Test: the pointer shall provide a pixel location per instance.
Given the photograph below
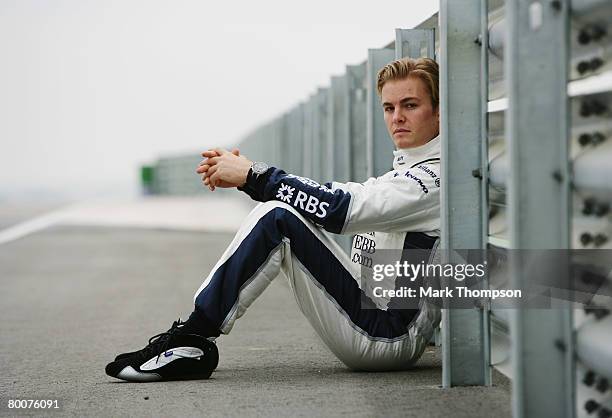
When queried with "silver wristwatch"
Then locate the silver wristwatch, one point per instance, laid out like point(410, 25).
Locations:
point(258, 168)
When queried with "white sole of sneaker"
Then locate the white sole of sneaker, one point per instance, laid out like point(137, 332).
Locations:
point(131, 375)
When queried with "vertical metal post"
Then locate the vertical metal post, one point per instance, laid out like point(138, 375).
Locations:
point(356, 76)
point(289, 164)
point(339, 124)
point(339, 146)
point(296, 133)
point(308, 136)
point(326, 153)
point(267, 139)
point(319, 136)
point(536, 64)
point(484, 173)
point(464, 344)
point(379, 146)
point(283, 140)
point(316, 139)
point(274, 128)
point(415, 43)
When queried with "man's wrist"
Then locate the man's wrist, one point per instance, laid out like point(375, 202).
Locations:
point(255, 183)
point(249, 176)
point(258, 168)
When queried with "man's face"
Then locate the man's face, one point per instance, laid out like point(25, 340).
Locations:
point(409, 116)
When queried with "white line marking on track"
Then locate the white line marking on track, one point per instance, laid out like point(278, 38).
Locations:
point(169, 213)
point(33, 225)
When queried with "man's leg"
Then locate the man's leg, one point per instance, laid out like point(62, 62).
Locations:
point(274, 237)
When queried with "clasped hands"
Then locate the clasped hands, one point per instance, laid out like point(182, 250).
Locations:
point(222, 168)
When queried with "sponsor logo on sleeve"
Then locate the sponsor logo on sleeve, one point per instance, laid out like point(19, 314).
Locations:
point(418, 180)
point(285, 193)
point(303, 200)
point(310, 183)
point(428, 171)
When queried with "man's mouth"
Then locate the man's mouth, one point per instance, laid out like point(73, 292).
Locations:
point(399, 130)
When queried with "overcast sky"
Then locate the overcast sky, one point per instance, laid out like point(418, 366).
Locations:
point(92, 89)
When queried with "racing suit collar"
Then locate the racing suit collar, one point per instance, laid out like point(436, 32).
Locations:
point(407, 157)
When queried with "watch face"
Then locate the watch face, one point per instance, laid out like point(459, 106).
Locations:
point(260, 168)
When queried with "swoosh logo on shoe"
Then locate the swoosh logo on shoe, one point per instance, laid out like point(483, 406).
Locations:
point(169, 356)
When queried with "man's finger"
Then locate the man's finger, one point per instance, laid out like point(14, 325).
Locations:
point(202, 169)
point(214, 178)
point(236, 152)
point(209, 153)
point(221, 151)
point(213, 161)
point(206, 182)
point(211, 170)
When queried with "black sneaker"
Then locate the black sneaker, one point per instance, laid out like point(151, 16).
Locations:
point(171, 355)
point(175, 324)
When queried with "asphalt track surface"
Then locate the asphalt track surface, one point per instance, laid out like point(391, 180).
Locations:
point(71, 298)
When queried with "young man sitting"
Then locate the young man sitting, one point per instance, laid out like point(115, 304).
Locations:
point(290, 232)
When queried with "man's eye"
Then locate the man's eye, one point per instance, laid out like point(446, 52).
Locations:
point(411, 105)
point(388, 109)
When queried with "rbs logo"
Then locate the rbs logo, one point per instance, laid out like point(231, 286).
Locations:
point(303, 201)
point(311, 204)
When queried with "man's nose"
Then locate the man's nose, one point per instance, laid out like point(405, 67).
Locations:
point(398, 116)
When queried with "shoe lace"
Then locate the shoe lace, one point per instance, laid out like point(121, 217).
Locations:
point(160, 342)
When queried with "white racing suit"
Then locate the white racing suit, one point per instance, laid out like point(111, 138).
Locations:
point(288, 234)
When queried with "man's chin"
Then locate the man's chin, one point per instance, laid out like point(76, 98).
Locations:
point(404, 142)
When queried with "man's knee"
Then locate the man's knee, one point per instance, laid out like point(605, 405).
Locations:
point(276, 217)
point(273, 204)
point(279, 211)
point(265, 212)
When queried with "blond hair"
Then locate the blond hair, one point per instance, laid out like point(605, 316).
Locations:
point(425, 69)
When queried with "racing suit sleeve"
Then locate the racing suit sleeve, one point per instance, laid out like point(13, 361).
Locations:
point(392, 203)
